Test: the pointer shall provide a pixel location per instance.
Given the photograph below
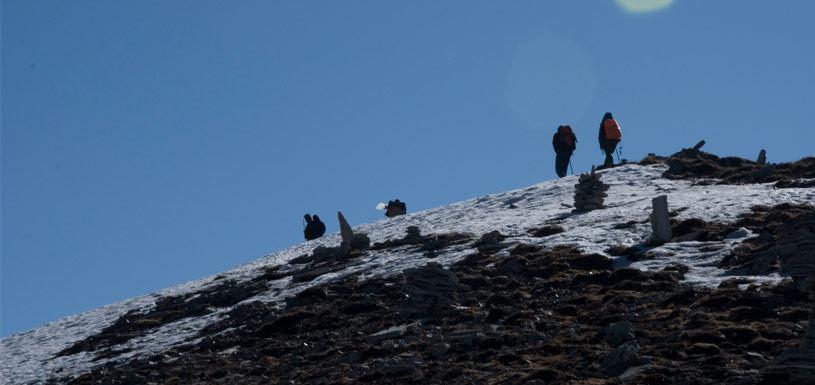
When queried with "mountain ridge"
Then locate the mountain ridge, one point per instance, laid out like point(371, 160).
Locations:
point(76, 346)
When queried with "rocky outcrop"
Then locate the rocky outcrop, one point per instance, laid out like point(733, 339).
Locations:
point(786, 238)
point(707, 168)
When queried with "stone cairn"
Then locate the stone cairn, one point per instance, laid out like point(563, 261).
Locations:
point(589, 192)
point(351, 240)
point(428, 288)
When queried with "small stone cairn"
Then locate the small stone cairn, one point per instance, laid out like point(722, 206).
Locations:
point(428, 288)
point(351, 240)
point(589, 192)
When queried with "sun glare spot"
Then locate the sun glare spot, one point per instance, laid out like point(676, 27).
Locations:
point(643, 6)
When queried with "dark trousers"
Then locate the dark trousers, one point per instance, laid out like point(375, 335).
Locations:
point(562, 163)
point(609, 147)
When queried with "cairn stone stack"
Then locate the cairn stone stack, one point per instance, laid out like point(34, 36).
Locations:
point(589, 192)
point(428, 288)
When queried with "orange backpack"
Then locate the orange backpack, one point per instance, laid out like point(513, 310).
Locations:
point(612, 129)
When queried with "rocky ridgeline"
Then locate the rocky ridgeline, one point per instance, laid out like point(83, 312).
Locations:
point(706, 168)
point(509, 313)
point(589, 192)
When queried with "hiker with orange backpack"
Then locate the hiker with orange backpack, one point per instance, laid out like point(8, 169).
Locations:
point(564, 141)
point(610, 135)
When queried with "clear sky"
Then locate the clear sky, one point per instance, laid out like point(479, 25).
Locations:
point(147, 143)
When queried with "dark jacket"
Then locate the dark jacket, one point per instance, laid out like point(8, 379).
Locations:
point(315, 228)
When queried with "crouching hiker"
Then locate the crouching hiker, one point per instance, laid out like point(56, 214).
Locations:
point(564, 141)
point(610, 135)
point(315, 228)
point(395, 208)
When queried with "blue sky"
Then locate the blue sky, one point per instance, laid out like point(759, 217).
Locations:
point(147, 143)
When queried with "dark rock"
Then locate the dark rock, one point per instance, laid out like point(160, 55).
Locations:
point(307, 296)
point(704, 349)
point(628, 274)
point(622, 358)
point(490, 242)
point(359, 242)
point(285, 324)
point(618, 333)
point(514, 266)
point(428, 288)
point(545, 231)
point(591, 262)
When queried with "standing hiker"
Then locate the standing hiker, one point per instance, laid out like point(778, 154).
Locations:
point(610, 135)
point(315, 228)
point(564, 141)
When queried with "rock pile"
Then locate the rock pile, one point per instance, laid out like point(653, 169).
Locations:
point(428, 288)
point(351, 240)
point(589, 192)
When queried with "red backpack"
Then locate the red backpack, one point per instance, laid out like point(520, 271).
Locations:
point(612, 129)
point(567, 136)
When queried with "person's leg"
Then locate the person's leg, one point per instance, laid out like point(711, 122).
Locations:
point(609, 150)
point(561, 164)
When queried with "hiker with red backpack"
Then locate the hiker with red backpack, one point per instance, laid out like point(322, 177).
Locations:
point(564, 141)
point(610, 135)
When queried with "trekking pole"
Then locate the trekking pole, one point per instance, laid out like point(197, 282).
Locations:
point(570, 166)
point(619, 152)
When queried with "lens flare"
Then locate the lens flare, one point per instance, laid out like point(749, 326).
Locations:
point(643, 6)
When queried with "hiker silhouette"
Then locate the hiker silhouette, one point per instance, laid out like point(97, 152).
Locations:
point(609, 136)
point(564, 141)
point(395, 208)
point(315, 228)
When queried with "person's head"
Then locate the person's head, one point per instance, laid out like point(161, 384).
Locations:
point(307, 217)
point(607, 116)
point(315, 218)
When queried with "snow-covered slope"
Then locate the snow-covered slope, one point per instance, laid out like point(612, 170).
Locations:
point(29, 357)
